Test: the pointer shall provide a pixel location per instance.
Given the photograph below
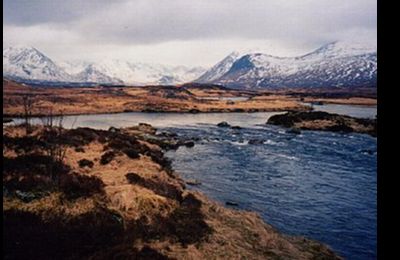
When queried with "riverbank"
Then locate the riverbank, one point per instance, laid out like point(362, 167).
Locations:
point(357, 101)
point(114, 193)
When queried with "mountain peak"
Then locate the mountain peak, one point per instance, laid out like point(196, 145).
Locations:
point(27, 62)
point(19, 49)
point(234, 54)
point(343, 49)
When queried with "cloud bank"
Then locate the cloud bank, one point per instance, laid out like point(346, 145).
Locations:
point(182, 31)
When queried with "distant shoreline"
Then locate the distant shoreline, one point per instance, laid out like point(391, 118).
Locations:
point(181, 112)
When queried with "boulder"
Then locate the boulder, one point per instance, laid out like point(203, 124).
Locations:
point(231, 203)
point(256, 141)
point(193, 182)
point(188, 144)
point(223, 124)
point(114, 130)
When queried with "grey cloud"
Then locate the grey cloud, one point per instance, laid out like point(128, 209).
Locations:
point(156, 21)
point(153, 21)
point(32, 12)
point(177, 29)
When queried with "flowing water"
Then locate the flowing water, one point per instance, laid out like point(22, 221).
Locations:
point(321, 185)
point(318, 184)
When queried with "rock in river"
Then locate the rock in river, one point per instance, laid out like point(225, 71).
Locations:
point(231, 203)
point(256, 141)
point(223, 124)
point(193, 182)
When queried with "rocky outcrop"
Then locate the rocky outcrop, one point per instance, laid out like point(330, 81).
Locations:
point(324, 121)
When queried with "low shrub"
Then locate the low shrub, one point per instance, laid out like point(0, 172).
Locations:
point(85, 163)
point(75, 185)
point(107, 157)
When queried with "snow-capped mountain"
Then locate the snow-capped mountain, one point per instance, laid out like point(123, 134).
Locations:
point(219, 69)
point(143, 73)
point(334, 64)
point(27, 63)
point(91, 74)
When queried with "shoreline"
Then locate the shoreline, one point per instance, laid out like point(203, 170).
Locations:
point(303, 108)
point(19, 116)
point(371, 103)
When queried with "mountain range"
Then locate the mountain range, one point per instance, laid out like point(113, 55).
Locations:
point(29, 64)
point(336, 64)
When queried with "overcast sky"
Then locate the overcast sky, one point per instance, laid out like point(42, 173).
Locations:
point(184, 32)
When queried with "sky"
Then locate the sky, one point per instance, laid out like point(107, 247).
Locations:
point(184, 32)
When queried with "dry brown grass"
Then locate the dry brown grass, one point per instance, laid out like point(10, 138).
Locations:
point(96, 100)
point(112, 100)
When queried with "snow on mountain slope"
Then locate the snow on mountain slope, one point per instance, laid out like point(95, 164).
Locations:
point(219, 69)
point(91, 74)
point(29, 63)
point(185, 74)
point(73, 67)
point(334, 64)
point(340, 49)
point(143, 73)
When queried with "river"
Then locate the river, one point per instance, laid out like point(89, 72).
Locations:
point(321, 185)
